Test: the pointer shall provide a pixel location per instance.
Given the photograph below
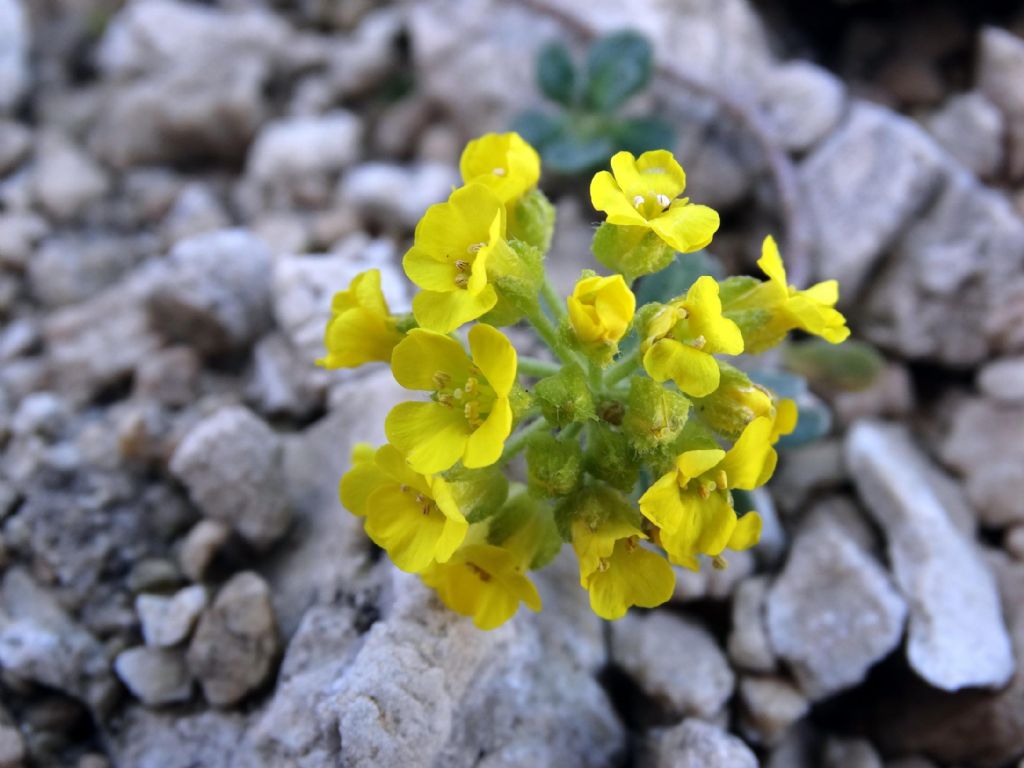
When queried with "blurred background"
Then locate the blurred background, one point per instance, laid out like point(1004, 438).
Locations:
point(184, 185)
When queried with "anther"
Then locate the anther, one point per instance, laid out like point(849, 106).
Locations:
point(638, 201)
point(719, 563)
point(603, 565)
point(461, 265)
point(475, 247)
point(663, 201)
point(499, 171)
point(699, 342)
point(440, 379)
point(461, 279)
point(470, 385)
point(723, 479)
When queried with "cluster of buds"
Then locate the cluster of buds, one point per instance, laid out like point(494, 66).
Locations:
point(626, 442)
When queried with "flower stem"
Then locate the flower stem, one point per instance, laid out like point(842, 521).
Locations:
point(554, 301)
point(542, 325)
point(531, 366)
point(622, 368)
point(515, 444)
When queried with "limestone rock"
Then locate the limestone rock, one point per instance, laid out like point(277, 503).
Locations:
point(749, 646)
point(175, 740)
point(802, 103)
point(956, 637)
point(386, 192)
point(66, 179)
point(167, 621)
point(769, 707)
point(1003, 380)
point(15, 40)
point(293, 148)
point(696, 744)
point(970, 128)
point(155, 676)
point(1000, 76)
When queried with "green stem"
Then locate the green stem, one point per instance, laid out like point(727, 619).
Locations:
point(622, 368)
point(571, 432)
point(538, 369)
point(515, 444)
point(554, 301)
point(542, 325)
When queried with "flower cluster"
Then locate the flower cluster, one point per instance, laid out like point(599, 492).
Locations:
point(627, 441)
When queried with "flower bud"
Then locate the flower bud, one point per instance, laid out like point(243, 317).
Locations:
point(554, 466)
point(532, 220)
point(655, 415)
point(735, 403)
point(633, 251)
point(565, 397)
point(610, 457)
point(601, 309)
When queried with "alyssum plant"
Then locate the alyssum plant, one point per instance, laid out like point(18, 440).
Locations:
point(631, 455)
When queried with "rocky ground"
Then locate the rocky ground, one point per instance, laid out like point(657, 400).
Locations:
point(182, 188)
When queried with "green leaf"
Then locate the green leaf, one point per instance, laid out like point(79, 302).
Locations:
point(852, 365)
point(556, 75)
point(570, 154)
point(676, 279)
point(618, 66)
point(538, 128)
point(643, 134)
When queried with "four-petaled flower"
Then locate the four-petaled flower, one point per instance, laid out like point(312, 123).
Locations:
point(503, 163)
point(644, 192)
point(412, 516)
point(469, 415)
point(681, 339)
point(483, 581)
point(361, 329)
point(601, 309)
point(692, 504)
point(453, 245)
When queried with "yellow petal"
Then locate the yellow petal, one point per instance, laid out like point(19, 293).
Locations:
point(495, 356)
point(720, 333)
point(707, 525)
point(826, 292)
point(695, 372)
point(747, 532)
point(634, 577)
point(751, 457)
point(444, 312)
point(594, 545)
point(358, 336)
point(819, 319)
point(429, 270)
point(786, 416)
point(504, 163)
point(686, 227)
point(771, 262)
point(661, 504)
point(361, 480)
point(693, 464)
point(449, 230)
point(485, 444)
point(397, 523)
point(393, 463)
point(661, 173)
point(432, 436)
point(606, 196)
point(417, 359)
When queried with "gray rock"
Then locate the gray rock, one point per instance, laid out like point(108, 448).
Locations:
point(648, 647)
point(889, 396)
point(149, 739)
point(12, 747)
point(41, 643)
point(710, 583)
point(984, 447)
point(862, 185)
point(231, 465)
point(1000, 76)
point(910, 762)
point(15, 41)
point(155, 676)
point(808, 470)
point(696, 744)
point(19, 233)
point(294, 148)
point(388, 192)
point(214, 291)
point(196, 210)
point(970, 128)
point(67, 269)
point(99, 342)
point(802, 103)
point(282, 381)
point(200, 546)
point(169, 376)
point(1003, 380)
point(167, 621)
point(952, 291)
point(840, 511)
point(833, 612)
point(235, 646)
point(956, 637)
point(850, 753)
point(749, 645)
point(15, 143)
point(769, 707)
point(396, 703)
point(41, 413)
point(362, 59)
point(65, 179)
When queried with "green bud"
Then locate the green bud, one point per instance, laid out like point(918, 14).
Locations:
point(554, 467)
point(532, 220)
point(480, 493)
point(517, 273)
point(735, 403)
point(610, 458)
point(595, 503)
point(655, 415)
point(521, 402)
point(526, 526)
point(694, 436)
point(633, 251)
point(405, 322)
point(565, 397)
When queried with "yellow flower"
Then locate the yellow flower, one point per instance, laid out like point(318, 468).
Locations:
point(502, 162)
point(469, 415)
point(361, 329)
point(483, 581)
point(453, 245)
point(601, 309)
point(644, 192)
point(616, 570)
point(692, 504)
point(412, 516)
point(682, 338)
point(784, 419)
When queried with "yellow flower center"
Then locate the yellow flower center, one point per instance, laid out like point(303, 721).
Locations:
point(479, 572)
point(464, 266)
point(651, 204)
point(426, 504)
point(499, 172)
point(474, 396)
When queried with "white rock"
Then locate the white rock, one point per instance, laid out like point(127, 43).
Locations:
point(1000, 73)
point(770, 706)
point(167, 621)
point(65, 178)
point(850, 753)
point(155, 676)
point(19, 233)
point(1003, 380)
point(211, 739)
point(230, 462)
point(200, 546)
point(802, 103)
point(196, 210)
point(293, 148)
point(15, 143)
point(970, 128)
point(15, 41)
point(648, 648)
point(956, 638)
point(382, 191)
point(833, 612)
point(749, 646)
point(696, 744)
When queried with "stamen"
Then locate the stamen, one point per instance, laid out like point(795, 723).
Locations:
point(638, 201)
point(723, 479)
point(719, 563)
point(475, 247)
point(703, 491)
point(699, 342)
point(440, 379)
point(461, 280)
point(445, 399)
point(499, 171)
point(631, 544)
point(457, 394)
point(663, 201)
point(461, 265)
point(603, 565)
point(480, 572)
point(471, 384)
